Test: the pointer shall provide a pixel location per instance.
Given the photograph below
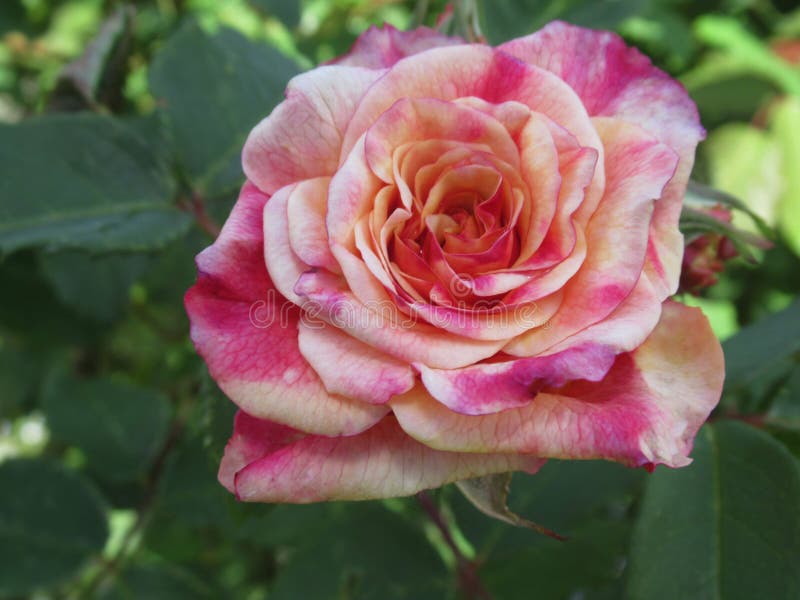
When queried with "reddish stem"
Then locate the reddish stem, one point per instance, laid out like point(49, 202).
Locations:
point(194, 205)
point(468, 578)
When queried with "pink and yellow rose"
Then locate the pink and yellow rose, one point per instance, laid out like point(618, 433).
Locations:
point(452, 260)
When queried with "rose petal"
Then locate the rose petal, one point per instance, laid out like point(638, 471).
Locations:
point(477, 70)
point(247, 334)
point(417, 120)
point(647, 409)
point(351, 368)
point(615, 80)
point(383, 326)
point(382, 462)
point(302, 137)
point(305, 210)
point(637, 169)
point(377, 48)
point(491, 387)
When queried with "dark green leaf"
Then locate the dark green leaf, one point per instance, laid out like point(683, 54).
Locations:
point(287, 11)
point(19, 375)
point(367, 552)
point(588, 501)
point(120, 427)
point(94, 285)
point(506, 19)
point(51, 522)
point(30, 309)
point(593, 559)
point(725, 527)
point(214, 89)
point(759, 347)
point(102, 188)
point(564, 495)
point(155, 581)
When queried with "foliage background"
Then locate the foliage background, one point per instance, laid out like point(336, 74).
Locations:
point(120, 132)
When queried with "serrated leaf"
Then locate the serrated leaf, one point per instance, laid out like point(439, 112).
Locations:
point(727, 526)
point(94, 285)
point(214, 89)
point(366, 552)
point(489, 494)
point(287, 11)
point(155, 581)
point(51, 522)
point(83, 181)
point(757, 348)
point(119, 426)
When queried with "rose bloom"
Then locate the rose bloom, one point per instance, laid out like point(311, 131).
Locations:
point(453, 260)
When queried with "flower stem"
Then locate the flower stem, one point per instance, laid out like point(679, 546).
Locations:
point(468, 578)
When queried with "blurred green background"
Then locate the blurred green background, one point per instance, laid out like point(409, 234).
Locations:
point(120, 131)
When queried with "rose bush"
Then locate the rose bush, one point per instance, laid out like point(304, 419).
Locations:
point(451, 260)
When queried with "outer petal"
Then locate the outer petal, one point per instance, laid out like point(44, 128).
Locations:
point(351, 368)
point(302, 137)
point(247, 334)
point(378, 48)
point(646, 410)
point(617, 81)
point(487, 388)
point(262, 464)
point(475, 70)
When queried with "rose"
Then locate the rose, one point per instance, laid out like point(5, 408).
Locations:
point(453, 260)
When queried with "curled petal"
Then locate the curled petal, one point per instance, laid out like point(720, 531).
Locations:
point(614, 80)
point(491, 387)
point(647, 409)
point(306, 209)
point(247, 334)
point(263, 463)
point(384, 327)
point(351, 368)
point(637, 168)
point(302, 137)
point(448, 73)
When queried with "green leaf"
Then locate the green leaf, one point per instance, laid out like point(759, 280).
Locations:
point(592, 560)
point(366, 553)
point(214, 89)
point(96, 286)
point(758, 348)
point(747, 50)
point(506, 19)
point(29, 309)
point(119, 426)
point(785, 123)
point(155, 581)
point(288, 11)
point(20, 371)
point(587, 500)
point(744, 162)
point(101, 188)
point(727, 526)
point(51, 522)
